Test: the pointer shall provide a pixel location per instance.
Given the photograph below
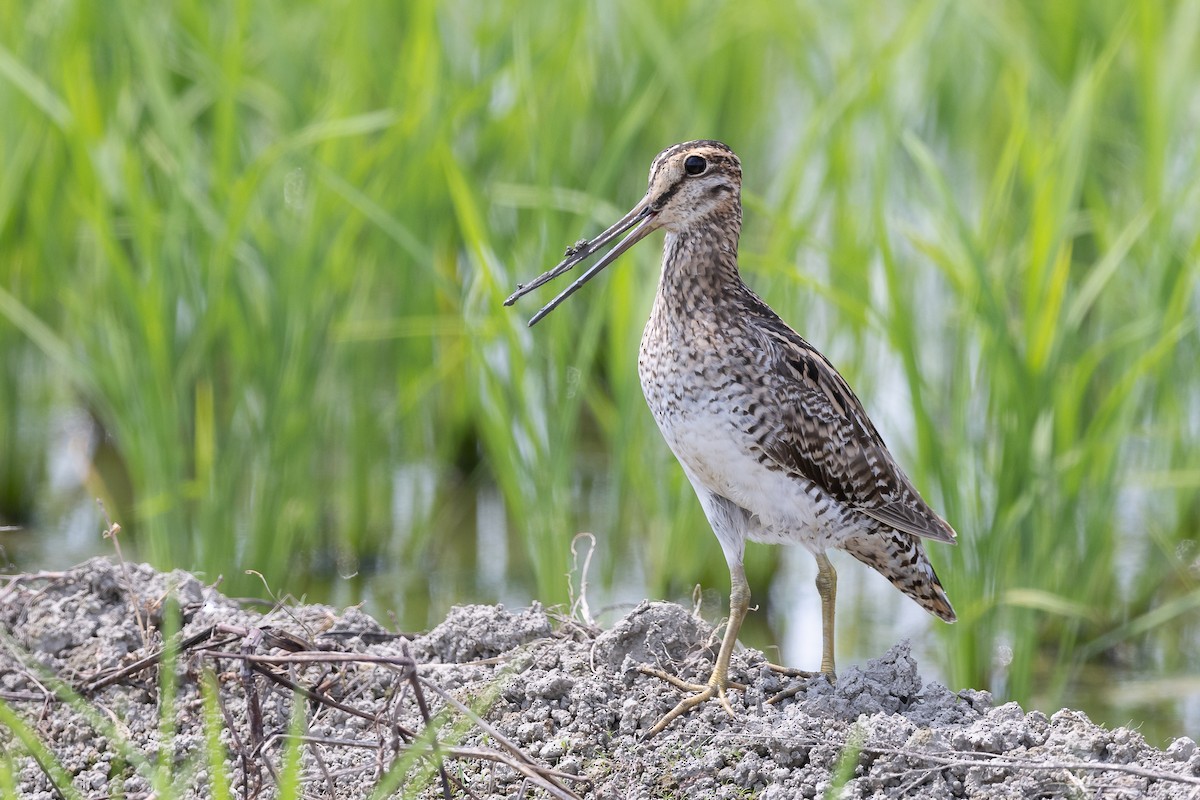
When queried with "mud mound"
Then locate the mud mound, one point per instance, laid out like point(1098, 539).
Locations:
point(559, 708)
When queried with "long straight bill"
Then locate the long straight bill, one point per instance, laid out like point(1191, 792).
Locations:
point(576, 255)
point(636, 235)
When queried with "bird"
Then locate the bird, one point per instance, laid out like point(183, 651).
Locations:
point(776, 445)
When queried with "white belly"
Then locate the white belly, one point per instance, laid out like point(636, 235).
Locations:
point(785, 509)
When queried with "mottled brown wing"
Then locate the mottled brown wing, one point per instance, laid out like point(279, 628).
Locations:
point(826, 436)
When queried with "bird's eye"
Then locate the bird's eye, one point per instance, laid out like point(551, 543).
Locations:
point(695, 165)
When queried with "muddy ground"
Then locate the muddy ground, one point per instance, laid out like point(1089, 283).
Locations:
point(559, 708)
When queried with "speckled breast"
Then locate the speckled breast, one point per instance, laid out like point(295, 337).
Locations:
point(704, 406)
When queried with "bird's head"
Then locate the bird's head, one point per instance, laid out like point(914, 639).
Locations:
point(690, 183)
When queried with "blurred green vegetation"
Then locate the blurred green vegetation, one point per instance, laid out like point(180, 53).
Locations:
point(264, 246)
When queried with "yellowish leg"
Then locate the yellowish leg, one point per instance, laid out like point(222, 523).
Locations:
point(739, 604)
point(827, 589)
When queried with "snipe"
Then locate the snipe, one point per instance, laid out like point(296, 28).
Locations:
point(772, 438)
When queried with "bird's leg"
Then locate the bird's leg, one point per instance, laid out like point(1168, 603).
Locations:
point(739, 604)
point(827, 589)
point(718, 682)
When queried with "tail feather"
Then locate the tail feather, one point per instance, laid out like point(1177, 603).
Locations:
point(900, 557)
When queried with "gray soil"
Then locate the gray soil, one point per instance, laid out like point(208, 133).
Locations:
point(561, 708)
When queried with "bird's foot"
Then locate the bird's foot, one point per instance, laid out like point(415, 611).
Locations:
point(792, 691)
point(792, 672)
point(701, 692)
